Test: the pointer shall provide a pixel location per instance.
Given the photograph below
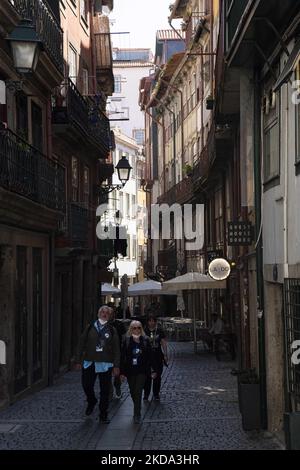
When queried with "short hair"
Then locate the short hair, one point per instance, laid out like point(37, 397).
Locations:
point(105, 307)
point(152, 317)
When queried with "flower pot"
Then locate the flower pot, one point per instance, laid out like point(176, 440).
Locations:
point(249, 400)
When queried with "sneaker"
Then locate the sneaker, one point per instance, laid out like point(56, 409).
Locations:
point(156, 398)
point(145, 398)
point(90, 408)
point(104, 419)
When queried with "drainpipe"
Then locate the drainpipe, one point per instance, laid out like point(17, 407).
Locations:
point(259, 251)
point(212, 47)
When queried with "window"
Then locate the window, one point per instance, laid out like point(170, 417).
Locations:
point(83, 9)
point(139, 136)
point(128, 247)
point(37, 126)
point(22, 115)
point(72, 64)
point(127, 205)
point(133, 208)
point(219, 216)
point(271, 150)
point(86, 185)
point(133, 251)
point(118, 84)
point(271, 134)
point(85, 82)
point(74, 179)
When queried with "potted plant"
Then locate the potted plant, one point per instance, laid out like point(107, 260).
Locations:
point(187, 170)
point(249, 399)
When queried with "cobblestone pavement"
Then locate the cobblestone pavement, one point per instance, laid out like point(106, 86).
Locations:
point(198, 410)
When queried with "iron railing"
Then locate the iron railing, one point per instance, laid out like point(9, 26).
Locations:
point(26, 171)
point(46, 25)
point(71, 107)
point(235, 10)
point(180, 193)
point(292, 335)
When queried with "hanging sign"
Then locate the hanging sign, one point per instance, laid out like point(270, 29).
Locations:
point(219, 269)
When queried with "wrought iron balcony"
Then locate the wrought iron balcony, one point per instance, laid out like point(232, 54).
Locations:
point(72, 109)
point(46, 25)
point(26, 171)
point(181, 193)
point(106, 170)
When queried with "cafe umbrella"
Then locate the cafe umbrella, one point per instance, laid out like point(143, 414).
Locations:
point(192, 281)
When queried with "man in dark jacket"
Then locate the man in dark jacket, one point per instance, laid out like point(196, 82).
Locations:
point(99, 352)
point(121, 330)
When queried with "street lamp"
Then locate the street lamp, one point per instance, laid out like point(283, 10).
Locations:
point(124, 170)
point(26, 47)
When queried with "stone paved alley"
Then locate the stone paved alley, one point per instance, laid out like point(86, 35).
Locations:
point(198, 410)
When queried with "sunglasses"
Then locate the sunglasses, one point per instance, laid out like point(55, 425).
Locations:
point(136, 328)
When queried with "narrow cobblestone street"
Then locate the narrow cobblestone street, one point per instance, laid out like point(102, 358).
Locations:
point(198, 410)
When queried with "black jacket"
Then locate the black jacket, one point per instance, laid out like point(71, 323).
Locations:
point(133, 363)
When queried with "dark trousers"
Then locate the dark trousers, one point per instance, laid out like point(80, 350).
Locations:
point(230, 340)
point(88, 384)
point(156, 383)
point(136, 384)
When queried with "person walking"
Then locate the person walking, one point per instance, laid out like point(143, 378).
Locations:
point(136, 364)
point(99, 355)
point(121, 330)
point(159, 356)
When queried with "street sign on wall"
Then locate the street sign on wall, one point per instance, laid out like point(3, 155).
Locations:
point(240, 233)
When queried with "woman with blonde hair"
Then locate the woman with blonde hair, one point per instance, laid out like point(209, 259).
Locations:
point(136, 364)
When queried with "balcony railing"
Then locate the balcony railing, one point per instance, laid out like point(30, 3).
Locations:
point(72, 108)
point(46, 27)
point(26, 171)
point(181, 193)
point(235, 10)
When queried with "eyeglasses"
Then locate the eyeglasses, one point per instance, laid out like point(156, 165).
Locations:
point(136, 327)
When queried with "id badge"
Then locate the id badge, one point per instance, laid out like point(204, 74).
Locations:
point(134, 361)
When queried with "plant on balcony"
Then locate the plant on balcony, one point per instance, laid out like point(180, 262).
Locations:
point(187, 170)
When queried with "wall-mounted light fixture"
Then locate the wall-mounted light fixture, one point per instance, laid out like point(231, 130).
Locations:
point(124, 170)
point(26, 48)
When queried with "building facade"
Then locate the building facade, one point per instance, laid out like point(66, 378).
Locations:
point(55, 148)
point(225, 112)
